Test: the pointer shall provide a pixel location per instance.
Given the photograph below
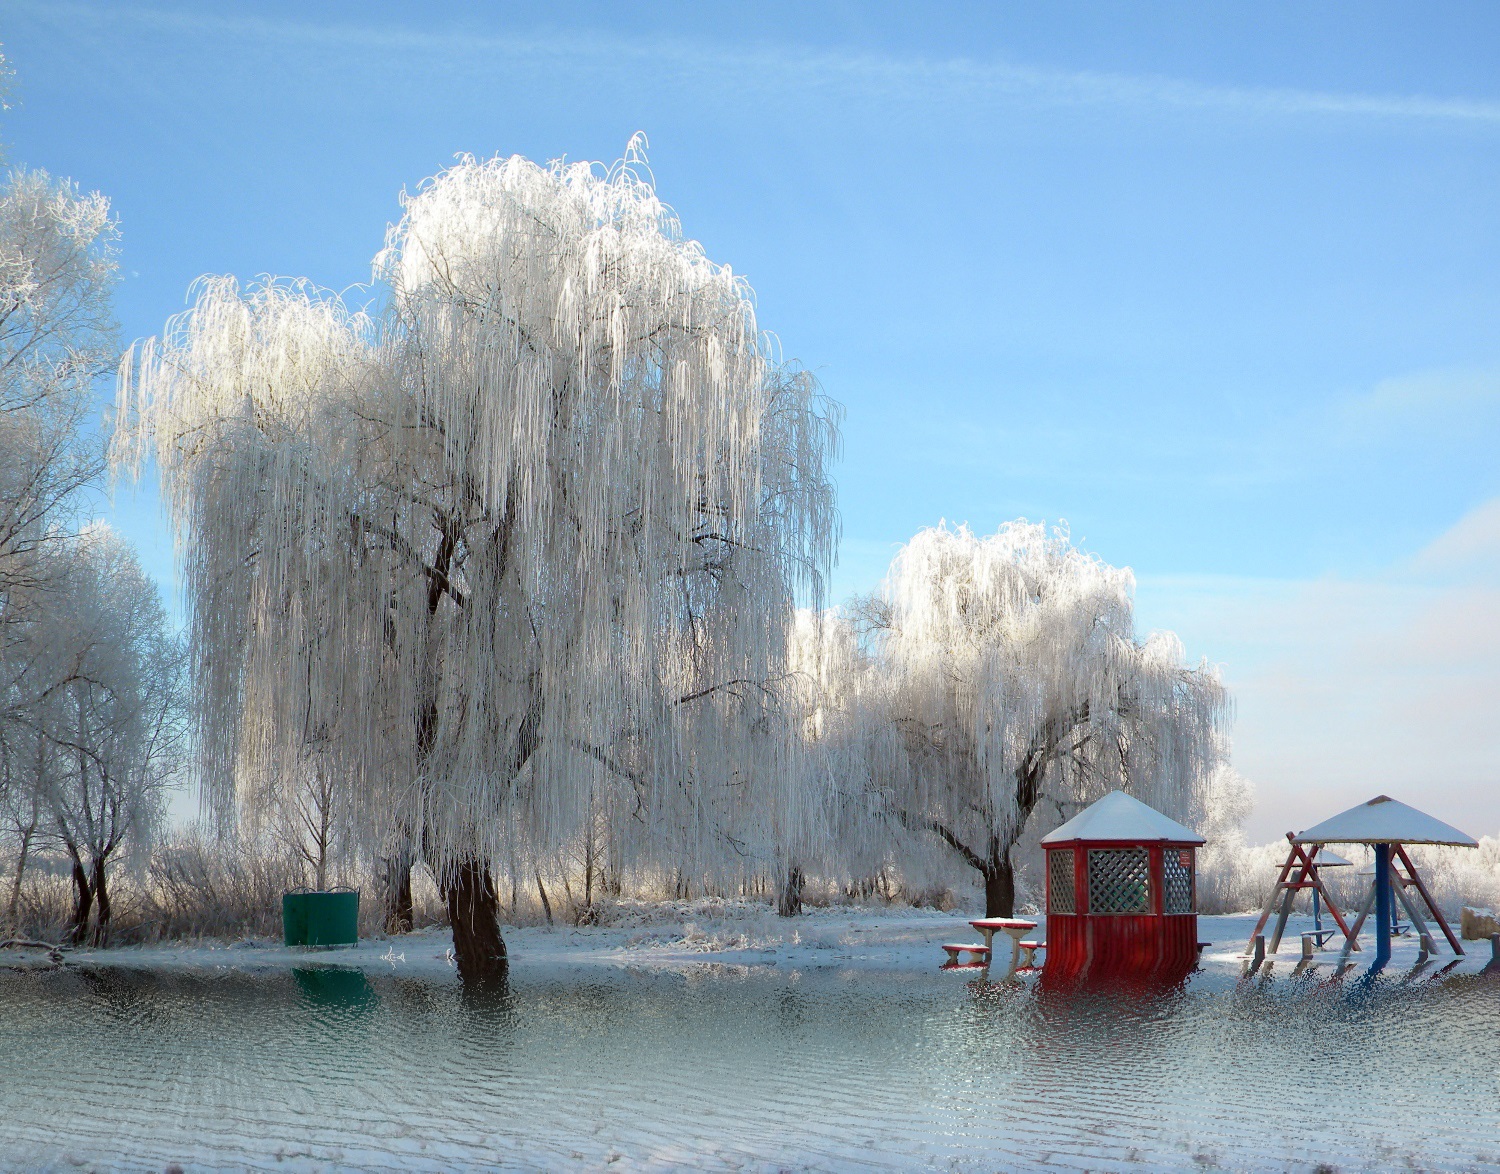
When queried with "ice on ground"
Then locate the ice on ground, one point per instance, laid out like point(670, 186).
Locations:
point(689, 935)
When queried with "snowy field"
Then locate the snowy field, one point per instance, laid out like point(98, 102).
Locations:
point(685, 935)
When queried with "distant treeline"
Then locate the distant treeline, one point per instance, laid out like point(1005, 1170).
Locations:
point(195, 886)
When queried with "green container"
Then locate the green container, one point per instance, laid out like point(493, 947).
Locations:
point(321, 919)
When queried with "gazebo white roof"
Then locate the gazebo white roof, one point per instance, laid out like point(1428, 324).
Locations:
point(1118, 816)
point(1384, 820)
point(1323, 858)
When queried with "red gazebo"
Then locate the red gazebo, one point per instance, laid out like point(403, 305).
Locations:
point(1121, 894)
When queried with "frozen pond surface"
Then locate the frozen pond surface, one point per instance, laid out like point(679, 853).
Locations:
point(724, 1067)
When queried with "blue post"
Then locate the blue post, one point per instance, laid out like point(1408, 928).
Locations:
point(1383, 905)
point(1317, 920)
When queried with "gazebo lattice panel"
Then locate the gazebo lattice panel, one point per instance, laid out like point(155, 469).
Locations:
point(1060, 895)
point(1119, 880)
point(1177, 882)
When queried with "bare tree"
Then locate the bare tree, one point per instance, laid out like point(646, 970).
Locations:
point(57, 336)
point(115, 725)
point(1001, 674)
point(22, 789)
point(303, 812)
point(543, 522)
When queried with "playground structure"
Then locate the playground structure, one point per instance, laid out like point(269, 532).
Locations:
point(1300, 872)
point(1400, 879)
point(1388, 827)
point(1323, 858)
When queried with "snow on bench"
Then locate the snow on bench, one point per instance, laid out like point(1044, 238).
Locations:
point(979, 956)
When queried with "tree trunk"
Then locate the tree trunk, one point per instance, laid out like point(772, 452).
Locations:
point(546, 904)
point(474, 914)
point(999, 876)
point(588, 859)
point(999, 886)
point(13, 911)
point(395, 883)
point(83, 903)
point(789, 899)
point(101, 897)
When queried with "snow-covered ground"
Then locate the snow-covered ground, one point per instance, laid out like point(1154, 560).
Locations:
point(695, 935)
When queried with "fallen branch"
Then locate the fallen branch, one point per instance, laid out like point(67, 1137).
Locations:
point(54, 952)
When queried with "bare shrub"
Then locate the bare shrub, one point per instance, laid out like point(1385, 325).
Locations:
point(45, 908)
point(196, 886)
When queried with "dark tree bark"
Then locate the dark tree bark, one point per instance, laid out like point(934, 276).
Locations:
point(546, 904)
point(83, 903)
point(999, 886)
point(789, 898)
point(588, 860)
point(101, 899)
point(395, 884)
point(473, 912)
point(993, 865)
point(12, 912)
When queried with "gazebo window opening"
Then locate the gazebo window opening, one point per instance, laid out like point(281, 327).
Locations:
point(1060, 896)
point(1177, 880)
point(1119, 880)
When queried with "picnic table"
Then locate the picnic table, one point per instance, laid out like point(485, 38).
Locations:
point(1014, 928)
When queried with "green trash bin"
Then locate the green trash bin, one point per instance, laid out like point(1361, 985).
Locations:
point(320, 918)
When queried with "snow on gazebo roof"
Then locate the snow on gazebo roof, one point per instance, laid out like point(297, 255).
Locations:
point(1323, 858)
point(1384, 820)
point(1119, 816)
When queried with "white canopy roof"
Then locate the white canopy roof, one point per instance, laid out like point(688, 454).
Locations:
point(1384, 820)
point(1118, 816)
point(1323, 858)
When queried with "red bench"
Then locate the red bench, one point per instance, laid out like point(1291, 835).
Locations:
point(979, 956)
point(1028, 955)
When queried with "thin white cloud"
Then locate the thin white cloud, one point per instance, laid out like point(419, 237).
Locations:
point(957, 80)
point(1470, 549)
point(1444, 397)
point(1348, 688)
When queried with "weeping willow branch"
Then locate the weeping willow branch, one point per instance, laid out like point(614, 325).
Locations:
point(532, 533)
point(991, 675)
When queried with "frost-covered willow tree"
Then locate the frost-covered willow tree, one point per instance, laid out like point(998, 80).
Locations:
point(57, 336)
point(1002, 674)
point(841, 691)
point(521, 549)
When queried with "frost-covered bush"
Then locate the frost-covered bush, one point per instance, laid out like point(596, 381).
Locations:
point(1235, 877)
point(44, 904)
point(1462, 876)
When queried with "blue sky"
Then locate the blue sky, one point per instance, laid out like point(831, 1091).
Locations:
point(1218, 285)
